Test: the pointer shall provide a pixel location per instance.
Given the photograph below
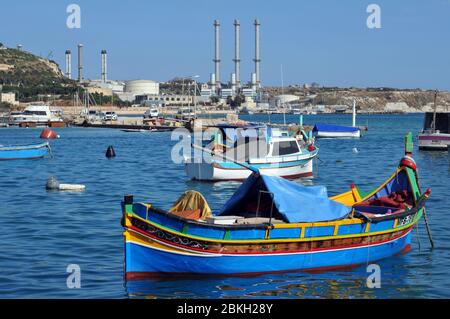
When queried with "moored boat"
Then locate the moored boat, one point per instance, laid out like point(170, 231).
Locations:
point(274, 225)
point(35, 115)
point(436, 130)
point(19, 152)
point(335, 131)
point(338, 131)
point(272, 151)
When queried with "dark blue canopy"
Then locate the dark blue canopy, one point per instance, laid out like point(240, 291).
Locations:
point(292, 202)
point(334, 128)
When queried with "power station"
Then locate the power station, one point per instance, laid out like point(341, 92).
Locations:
point(235, 85)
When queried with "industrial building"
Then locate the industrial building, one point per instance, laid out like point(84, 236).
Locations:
point(139, 87)
point(166, 100)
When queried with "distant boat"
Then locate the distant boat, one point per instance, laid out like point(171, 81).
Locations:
point(338, 131)
point(436, 130)
point(134, 130)
point(36, 114)
point(21, 152)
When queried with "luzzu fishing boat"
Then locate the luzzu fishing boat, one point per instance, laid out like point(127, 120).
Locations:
point(274, 225)
point(21, 152)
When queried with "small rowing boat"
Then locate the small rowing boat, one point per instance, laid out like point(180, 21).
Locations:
point(272, 224)
point(338, 131)
point(21, 152)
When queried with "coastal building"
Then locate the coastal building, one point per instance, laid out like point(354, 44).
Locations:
point(167, 100)
point(8, 97)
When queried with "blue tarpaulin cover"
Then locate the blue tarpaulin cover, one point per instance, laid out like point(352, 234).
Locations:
point(334, 128)
point(295, 202)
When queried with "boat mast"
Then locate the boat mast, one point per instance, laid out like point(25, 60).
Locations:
point(433, 125)
point(354, 113)
point(282, 93)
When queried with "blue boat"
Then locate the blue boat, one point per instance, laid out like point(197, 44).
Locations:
point(272, 224)
point(22, 152)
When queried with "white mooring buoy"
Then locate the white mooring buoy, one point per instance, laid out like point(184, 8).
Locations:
point(53, 184)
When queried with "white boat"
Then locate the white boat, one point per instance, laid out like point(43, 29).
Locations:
point(273, 152)
point(436, 130)
point(39, 114)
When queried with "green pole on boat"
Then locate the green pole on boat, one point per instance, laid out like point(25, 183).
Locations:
point(408, 152)
point(301, 120)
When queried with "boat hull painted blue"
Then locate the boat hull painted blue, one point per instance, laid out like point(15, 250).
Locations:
point(143, 260)
point(20, 154)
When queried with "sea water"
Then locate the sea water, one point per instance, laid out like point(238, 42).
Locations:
point(42, 233)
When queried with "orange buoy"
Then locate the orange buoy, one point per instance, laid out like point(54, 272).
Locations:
point(48, 134)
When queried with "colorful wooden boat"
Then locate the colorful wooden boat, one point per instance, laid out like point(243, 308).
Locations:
point(274, 225)
point(20, 152)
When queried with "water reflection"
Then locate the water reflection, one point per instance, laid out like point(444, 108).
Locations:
point(343, 284)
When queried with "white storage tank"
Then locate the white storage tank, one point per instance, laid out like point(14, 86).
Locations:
point(140, 87)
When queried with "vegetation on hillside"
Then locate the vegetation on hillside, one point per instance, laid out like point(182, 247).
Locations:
point(30, 76)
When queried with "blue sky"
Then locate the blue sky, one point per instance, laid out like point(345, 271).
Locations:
point(316, 40)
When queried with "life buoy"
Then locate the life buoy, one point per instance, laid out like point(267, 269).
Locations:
point(408, 161)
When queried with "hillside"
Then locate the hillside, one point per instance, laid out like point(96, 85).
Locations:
point(30, 75)
point(371, 99)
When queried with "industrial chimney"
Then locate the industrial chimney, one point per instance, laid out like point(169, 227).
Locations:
point(237, 58)
point(68, 64)
point(80, 63)
point(257, 58)
point(104, 70)
point(212, 83)
point(233, 84)
point(217, 53)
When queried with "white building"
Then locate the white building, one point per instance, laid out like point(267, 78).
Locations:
point(9, 97)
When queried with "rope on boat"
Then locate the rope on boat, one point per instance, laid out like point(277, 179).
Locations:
point(417, 234)
point(50, 150)
point(425, 217)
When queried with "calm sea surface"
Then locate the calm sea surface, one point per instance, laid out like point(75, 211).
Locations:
point(42, 232)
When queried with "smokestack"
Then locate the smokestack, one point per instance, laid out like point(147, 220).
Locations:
point(68, 64)
point(257, 59)
point(104, 56)
point(233, 84)
point(217, 53)
point(213, 83)
point(253, 81)
point(80, 63)
point(237, 49)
